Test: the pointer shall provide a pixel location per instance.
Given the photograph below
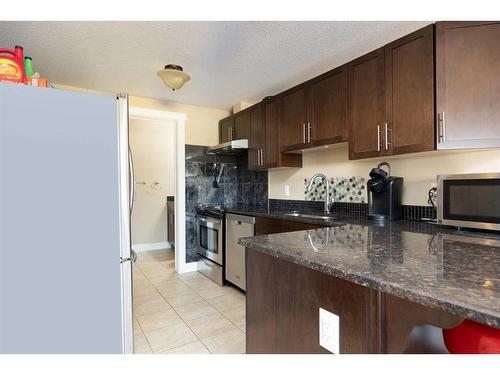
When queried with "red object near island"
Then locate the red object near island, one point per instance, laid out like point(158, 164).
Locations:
point(470, 337)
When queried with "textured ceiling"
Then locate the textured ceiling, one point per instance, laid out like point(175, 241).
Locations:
point(228, 61)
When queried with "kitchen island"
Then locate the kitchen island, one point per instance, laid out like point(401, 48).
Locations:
point(381, 280)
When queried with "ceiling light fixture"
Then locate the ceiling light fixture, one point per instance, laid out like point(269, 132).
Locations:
point(173, 76)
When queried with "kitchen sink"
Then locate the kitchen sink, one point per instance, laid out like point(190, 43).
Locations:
point(310, 216)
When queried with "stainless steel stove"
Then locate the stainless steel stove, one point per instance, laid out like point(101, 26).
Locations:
point(210, 241)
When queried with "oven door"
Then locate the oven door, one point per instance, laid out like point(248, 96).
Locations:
point(209, 242)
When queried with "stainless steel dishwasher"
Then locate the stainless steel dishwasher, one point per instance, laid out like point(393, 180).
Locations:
point(237, 226)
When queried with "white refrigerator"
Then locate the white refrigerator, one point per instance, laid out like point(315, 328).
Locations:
point(65, 200)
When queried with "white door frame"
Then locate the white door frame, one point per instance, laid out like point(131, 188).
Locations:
point(180, 182)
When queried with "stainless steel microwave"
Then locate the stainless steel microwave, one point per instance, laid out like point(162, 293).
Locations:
point(469, 200)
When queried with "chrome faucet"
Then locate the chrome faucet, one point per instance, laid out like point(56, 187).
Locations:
point(327, 197)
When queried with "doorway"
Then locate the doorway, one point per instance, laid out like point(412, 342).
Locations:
point(157, 143)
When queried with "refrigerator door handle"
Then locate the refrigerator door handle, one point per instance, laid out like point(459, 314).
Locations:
point(131, 179)
point(133, 257)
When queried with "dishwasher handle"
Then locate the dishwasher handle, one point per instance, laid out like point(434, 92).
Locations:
point(240, 219)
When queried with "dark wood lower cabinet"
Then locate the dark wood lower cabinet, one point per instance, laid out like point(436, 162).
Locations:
point(268, 225)
point(283, 301)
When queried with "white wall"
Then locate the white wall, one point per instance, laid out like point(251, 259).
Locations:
point(153, 148)
point(419, 170)
point(202, 125)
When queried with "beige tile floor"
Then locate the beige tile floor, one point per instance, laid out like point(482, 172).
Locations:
point(184, 314)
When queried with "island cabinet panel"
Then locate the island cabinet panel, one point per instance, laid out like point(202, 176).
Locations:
point(409, 120)
point(226, 126)
point(261, 327)
point(468, 84)
point(282, 313)
point(256, 141)
point(366, 105)
point(283, 301)
point(302, 293)
point(327, 103)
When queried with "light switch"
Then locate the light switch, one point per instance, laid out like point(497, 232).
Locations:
point(329, 332)
point(286, 190)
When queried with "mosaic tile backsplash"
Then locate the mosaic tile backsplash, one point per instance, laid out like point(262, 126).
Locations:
point(342, 189)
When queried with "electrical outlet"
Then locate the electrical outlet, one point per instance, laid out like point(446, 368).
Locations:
point(329, 332)
point(286, 190)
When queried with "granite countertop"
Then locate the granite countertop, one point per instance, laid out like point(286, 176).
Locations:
point(442, 268)
point(265, 212)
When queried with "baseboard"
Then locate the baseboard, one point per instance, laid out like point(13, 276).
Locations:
point(188, 267)
point(150, 246)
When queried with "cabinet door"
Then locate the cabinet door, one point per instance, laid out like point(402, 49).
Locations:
point(271, 141)
point(328, 108)
point(294, 122)
point(256, 141)
point(409, 120)
point(225, 129)
point(468, 84)
point(366, 105)
point(242, 125)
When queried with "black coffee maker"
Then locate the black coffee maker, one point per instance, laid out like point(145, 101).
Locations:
point(384, 194)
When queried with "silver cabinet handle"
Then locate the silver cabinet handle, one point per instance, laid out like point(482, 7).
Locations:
point(387, 130)
point(378, 138)
point(304, 132)
point(237, 222)
point(258, 156)
point(308, 132)
point(441, 128)
point(261, 157)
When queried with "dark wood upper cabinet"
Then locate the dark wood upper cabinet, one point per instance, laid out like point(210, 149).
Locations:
point(468, 84)
point(438, 87)
point(327, 104)
point(294, 123)
point(226, 126)
point(315, 113)
point(271, 150)
point(242, 125)
point(264, 147)
point(234, 127)
point(391, 98)
point(409, 115)
point(366, 79)
point(256, 142)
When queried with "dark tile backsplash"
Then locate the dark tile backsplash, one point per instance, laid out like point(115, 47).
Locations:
point(346, 208)
point(237, 186)
point(285, 205)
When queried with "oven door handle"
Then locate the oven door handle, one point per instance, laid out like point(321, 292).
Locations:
point(210, 223)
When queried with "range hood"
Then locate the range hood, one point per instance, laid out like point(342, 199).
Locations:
point(236, 147)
